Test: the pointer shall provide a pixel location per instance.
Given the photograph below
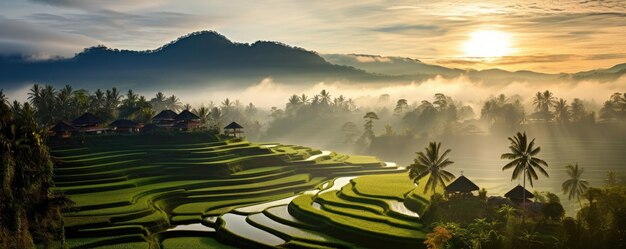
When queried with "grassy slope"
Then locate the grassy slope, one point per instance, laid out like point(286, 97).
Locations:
point(140, 189)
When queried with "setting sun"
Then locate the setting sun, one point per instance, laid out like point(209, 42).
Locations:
point(488, 43)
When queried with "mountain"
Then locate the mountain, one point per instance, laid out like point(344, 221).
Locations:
point(407, 67)
point(198, 59)
point(608, 74)
point(389, 65)
point(207, 58)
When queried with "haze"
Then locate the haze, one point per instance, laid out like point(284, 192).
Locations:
point(545, 36)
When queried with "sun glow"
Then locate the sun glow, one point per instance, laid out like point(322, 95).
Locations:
point(488, 43)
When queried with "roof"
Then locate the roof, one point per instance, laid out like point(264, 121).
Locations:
point(165, 115)
point(186, 115)
point(233, 125)
point(124, 123)
point(87, 118)
point(62, 126)
point(461, 184)
point(517, 193)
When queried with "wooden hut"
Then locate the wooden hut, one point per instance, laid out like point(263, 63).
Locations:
point(124, 125)
point(517, 194)
point(88, 123)
point(233, 129)
point(461, 187)
point(186, 121)
point(63, 130)
point(165, 118)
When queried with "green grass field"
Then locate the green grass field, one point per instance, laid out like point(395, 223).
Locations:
point(131, 194)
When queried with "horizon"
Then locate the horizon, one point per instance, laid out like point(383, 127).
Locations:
point(489, 34)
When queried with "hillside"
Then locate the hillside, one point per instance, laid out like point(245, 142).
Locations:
point(201, 58)
point(209, 59)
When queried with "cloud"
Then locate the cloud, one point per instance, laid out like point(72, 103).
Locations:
point(371, 58)
point(20, 37)
point(529, 59)
point(404, 28)
point(98, 4)
point(120, 29)
point(268, 93)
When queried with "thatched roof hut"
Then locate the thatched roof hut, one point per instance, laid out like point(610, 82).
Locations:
point(63, 126)
point(87, 119)
point(186, 115)
point(517, 193)
point(462, 185)
point(233, 129)
point(165, 115)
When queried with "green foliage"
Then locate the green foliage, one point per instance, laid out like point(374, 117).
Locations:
point(575, 186)
point(553, 211)
point(523, 159)
point(431, 164)
point(502, 112)
point(482, 194)
point(29, 211)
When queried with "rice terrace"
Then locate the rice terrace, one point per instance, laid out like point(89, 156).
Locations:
point(189, 195)
point(432, 124)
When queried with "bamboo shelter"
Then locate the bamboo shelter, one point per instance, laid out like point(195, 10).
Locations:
point(461, 187)
point(233, 129)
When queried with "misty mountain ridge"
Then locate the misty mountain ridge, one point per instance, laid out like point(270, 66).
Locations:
point(400, 66)
point(207, 58)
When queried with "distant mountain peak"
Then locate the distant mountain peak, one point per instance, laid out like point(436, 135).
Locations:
point(204, 38)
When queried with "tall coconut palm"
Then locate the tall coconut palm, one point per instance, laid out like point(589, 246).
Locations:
point(543, 102)
point(203, 113)
point(325, 97)
point(561, 109)
point(575, 186)
point(173, 103)
point(304, 99)
point(577, 109)
point(433, 164)
point(293, 104)
point(158, 102)
point(524, 161)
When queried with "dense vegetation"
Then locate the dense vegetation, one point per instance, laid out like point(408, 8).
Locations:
point(192, 189)
point(29, 210)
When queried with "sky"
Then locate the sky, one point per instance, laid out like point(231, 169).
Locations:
point(541, 35)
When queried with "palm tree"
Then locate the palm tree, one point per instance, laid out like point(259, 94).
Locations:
point(523, 159)
point(158, 102)
point(173, 103)
point(577, 110)
point(562, 111)
point(304, 99)
point(47, 107)
point(575, 186)
point(543, 102)
point(80, 102)
point(203, 113)
point(325, 97)
point(112, 101)
point(431, 163)
point(293, 104)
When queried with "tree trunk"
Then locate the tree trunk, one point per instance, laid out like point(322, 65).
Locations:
point(524, 197)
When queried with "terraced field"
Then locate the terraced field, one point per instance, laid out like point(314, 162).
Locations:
point(233, 193)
